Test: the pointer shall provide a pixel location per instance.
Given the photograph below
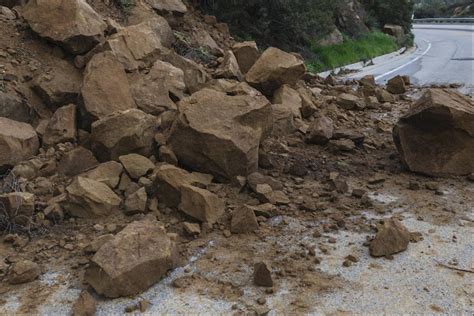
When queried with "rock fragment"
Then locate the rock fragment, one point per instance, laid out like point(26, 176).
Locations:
point(396, 85)
point(23, 271)
point(392, 237)
point(320, 132)
point(201, 204)
point(246, 54)
point(18, 142)
point(243, 220)
point(136, 165)
point(85, 305)
point(262, 275)
point(62, 126)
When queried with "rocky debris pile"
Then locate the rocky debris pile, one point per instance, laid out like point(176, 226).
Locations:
point(145, 133)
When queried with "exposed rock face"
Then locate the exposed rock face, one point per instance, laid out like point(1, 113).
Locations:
point(243, 220)
point(436, 136)
point(24, 271)
point(221, 140)
point(392, 237)
point(201, 204)
point(246, 54)
point(172, 6)
point(130, 131)
point(18, 142)
point(59, 87)
point(157, 91)
point(137, 257)
point(71, 23)
point(320, 131)
point(105, 89)
point(62, 126)
point(89, 198)
point(273, 69)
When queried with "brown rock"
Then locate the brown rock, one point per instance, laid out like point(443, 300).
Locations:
point(13, 107)
point(171, 6)
point(107, 173)
point(222, 141)
point(246, 54)
point(436, 136)
point(289, 97)
point(320, 132)
point(283, 120)
point(123, 133)
point(349, 102)
point(62, 126)
point(257, 178)
point(18, 142)
point(201, 204)
point(396, 85)
point(103, 96)
point(77, 161)
point(392, 237)
point(262, 275)
point(168, 180)
point(243, 220)
point(192, 229)
point(393, 30)
point(384, 96)
point(167, 155)
point(136, 165)
point(60, 86)
point(136, 202)
point(19, 207)
point(73, 24)
point(195, 77)
point(229, 68)
point(85, 305)
point(23, 271)
point(273, 69)
point(156, 91)
point(137, 257)
point(89, 198)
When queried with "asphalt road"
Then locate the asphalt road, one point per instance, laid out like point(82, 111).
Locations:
point(444, 55)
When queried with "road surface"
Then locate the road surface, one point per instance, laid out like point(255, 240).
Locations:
point(444, 55)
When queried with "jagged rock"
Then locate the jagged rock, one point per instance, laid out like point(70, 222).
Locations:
point(18, 142)
point(262, 274)
point(243, 220)
point(273, 69)
point(192, 229)
point(167, 155)
point(222, 141)
point(123, 133)
point(60, 86)
point(172, 6)
point(436, 136)
point(77, 161)
point(23, 271)
point(85, 305)
point(201, 204)
point(257, 178)
point(343, 145)
point(229, 68)
point(19, 207)
point(73, 24)
point(103, 95)
point(136, 202)
point(156, 91)
point(204, 40)
point(13, 107)
point(393, 30)
point(117, 269)
point(320, 132)
point(136, 165)
point(392, 237)
point(107, 173)
point(283, 120)
point(290, 98)
point(89, 198)
point(195, 77)
point(308, 108)
point(396, 85)
point(246, 54)
point(349, 102)
point(98, 242)
point(384, 96)
point(168, 180)
point(62, 126)
point(138, 46)
point(368, 80)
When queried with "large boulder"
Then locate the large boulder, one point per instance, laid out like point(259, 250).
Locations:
point(88, 198)
point(135, 259)
point(73, 24)
point(122, 133)
point(105, 89)
point(195, 77)
point(60, 86)
point(436, 136)
point(18, 142)
point(168, 180)
point(273, 69)
point(62, 126)
point(220, 134)
point(156, 91)
point(246, 54)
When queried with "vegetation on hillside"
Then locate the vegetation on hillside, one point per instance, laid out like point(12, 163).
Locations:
point(443, 8)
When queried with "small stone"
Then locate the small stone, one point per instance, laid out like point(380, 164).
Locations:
point(262, 275)
point(262, 300)
point(347, 263)
point(192, 229)
point(432, 186)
